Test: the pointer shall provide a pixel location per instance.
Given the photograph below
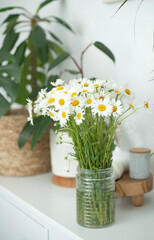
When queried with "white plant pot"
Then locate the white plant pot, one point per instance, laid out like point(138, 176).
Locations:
point(60, 166)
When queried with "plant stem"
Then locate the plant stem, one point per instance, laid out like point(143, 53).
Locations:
point(33, 60)
point(81, 58)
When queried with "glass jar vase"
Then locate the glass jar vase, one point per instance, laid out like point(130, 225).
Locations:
point(95, 197)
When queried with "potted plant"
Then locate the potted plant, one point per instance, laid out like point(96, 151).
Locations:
point(27, 55)
point(90, 111)
point(64, 167)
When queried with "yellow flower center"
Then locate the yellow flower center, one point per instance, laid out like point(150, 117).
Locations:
point(73, 94)
point(118, 92)
point(84, 91)
point(75, 103)
point(51, 100)
point(127, 91)
point(86, 85)
point(60, 88)
point(114, 108)
point(63, 114)
point(79, 116)
point(96, 85)
point(89, 101)
point(51, 114)
point(101, 107)
point(101, 98)
point(66, 92)
point(61, 102)
point(146, 104)
point(131, 105)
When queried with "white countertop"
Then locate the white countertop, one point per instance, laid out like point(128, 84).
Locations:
point(59, 204)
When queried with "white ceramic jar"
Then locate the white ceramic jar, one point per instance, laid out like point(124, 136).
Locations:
point(60, 166)
point(139, 163)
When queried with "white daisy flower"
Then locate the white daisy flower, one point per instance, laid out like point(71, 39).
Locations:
point(79, 117)
point(58, 82)
point(42, 94)
point(30, 111)
point(117, 108)
point(76, 102)
point(53, 114)
point(98, 83)
point(63, 117)
point(73, 92)
point(89, 101)
point(61, 101)
point(102, 95)
point(127, 92)
point(102, 108)
point(85, 82)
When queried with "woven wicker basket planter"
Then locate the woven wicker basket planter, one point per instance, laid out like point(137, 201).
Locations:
point(21, 162)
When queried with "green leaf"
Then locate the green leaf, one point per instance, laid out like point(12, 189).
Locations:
point(4, 105)
point(25, 134)
point(42, 53)
point(39, 128)
point(10, 8)
point(38, 37)
point(120, 6)
point(73, 72)
point(10, 40)
point(10, 17)
point(20, 53)
point(55, 47)
point(5, 56)
point(43, 4)
point(55, 37)
point(10, 87)
point(10, 25)
point(12, 69)
point(105, 50)
point(63, 23)
point(58, 60)
point(23, 93)
point(41, 76)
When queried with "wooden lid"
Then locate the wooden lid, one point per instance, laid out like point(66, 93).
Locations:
point(140, 150)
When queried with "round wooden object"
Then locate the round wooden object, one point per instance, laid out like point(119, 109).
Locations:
point(64, 181)
point(140, 150)
point(135, 188)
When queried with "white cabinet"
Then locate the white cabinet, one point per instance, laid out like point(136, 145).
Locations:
point(16, 225)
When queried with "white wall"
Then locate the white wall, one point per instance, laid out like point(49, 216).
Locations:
point(92, 20)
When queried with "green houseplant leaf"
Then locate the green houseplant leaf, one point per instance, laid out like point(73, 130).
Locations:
point(55, 37)
point(38, 36)
point(12, 70)
point(40, 126)
point(10, 17)
point(105, 50)
point(10, 8)
point(20, 53)
point(58, 60)
point(10, 40)
point(11, 87)
point(4, 105)
point(63, 23)
point(43, 4)
point(25, 134)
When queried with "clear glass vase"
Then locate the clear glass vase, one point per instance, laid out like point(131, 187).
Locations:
point(95, 197)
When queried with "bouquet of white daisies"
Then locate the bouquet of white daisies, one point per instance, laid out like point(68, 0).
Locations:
point(90, 111)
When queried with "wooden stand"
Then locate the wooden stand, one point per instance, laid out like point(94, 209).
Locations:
point(134, 188)
point(64, 181)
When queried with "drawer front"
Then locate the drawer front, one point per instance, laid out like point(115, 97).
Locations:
point(16, 225)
